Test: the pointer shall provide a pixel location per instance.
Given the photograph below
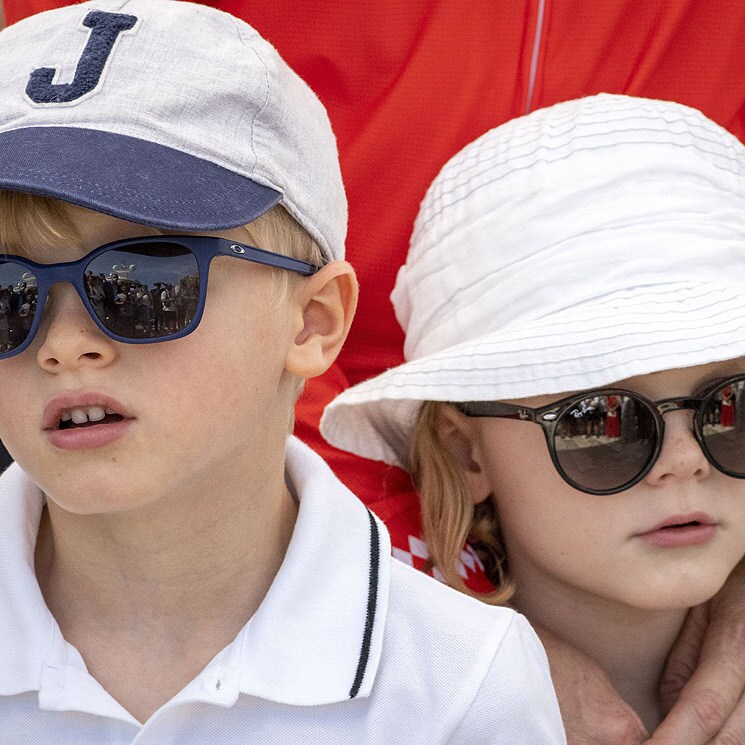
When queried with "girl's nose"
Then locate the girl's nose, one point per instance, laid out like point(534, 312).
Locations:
point(681, 457)
point(68, 338)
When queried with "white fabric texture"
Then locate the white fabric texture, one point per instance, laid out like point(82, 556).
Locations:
point(443, 668)
point(236, 103)
point(568, 249)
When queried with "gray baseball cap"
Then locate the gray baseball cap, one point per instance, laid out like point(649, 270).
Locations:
point(166, 113)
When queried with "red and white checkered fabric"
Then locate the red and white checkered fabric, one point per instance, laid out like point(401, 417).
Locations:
point(402, 519)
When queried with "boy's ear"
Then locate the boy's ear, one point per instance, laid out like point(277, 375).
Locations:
point(324, 304)
point(458, 435)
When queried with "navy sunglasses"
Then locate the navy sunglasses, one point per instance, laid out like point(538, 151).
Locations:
point(138, 291)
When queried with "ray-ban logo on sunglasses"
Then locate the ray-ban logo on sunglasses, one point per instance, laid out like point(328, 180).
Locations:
point(106, 29)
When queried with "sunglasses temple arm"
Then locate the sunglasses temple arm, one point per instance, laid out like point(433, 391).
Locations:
point(268, 258)
point(496, 409)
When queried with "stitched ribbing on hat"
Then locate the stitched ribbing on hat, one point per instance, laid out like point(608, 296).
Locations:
point(574, 339)
point(553, 138)
point(55, 178)
point(598, 112)
point(628, 300)
point(488, 148)
point(602, 317)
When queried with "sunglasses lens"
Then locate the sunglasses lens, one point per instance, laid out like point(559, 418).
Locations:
point(18, 293)
point(724, 427)
point(603, 442)
point(144, 291)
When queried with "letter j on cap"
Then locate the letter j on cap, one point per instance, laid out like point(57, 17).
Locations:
point(105, 29)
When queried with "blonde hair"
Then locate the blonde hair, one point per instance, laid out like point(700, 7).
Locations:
point(33, 224)
point(449, 516)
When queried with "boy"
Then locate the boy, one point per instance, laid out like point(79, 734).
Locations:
point(174, 568)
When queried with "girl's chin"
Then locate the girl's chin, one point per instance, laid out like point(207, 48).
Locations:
point(672, 596)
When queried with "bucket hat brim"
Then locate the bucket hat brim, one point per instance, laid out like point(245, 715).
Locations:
point(607, 339)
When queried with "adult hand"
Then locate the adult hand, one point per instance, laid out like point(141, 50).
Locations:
point(592, 712)
point(703, 683)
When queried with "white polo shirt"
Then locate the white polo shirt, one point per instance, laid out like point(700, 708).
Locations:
point(349, 647)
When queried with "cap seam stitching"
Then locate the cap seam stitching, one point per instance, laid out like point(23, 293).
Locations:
point(259, 112)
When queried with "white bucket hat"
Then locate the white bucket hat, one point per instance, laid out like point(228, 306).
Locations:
point(568, 249)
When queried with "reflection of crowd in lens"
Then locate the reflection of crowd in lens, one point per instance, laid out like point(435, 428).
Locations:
point(727, 413)
point(17, 309)
point(125, 306)
point(599, 416)
point(607, 417)
point(137, 311)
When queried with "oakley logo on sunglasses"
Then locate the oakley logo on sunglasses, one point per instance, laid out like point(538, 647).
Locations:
point(105, 31)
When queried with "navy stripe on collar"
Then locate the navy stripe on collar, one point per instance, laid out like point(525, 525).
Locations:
point(372, 600)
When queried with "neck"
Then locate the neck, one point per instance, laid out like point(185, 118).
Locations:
point(173, 564)
point(630, 644)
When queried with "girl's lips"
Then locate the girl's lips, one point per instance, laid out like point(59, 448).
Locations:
point(681, 530)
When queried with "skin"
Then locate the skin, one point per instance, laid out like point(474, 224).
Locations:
point(581, 569)
point(144, 540)
point(700, 689)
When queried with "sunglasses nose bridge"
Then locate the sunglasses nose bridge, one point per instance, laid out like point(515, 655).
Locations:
point(70, 273)
point(677, 404)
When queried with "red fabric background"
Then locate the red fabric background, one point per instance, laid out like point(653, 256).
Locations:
point(408, 84)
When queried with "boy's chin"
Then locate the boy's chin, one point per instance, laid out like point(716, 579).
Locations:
point(97, 503)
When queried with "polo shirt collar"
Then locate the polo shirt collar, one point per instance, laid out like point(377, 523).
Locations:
point(315, 639)
point(318, 635)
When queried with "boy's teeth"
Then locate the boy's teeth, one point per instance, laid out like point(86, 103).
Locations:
point(96, 413)
point(79, 416)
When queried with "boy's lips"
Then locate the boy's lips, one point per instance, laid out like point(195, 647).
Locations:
point(85, 420)
point(64, 404)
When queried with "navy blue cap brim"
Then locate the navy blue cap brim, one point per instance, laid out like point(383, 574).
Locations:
point(130, 178)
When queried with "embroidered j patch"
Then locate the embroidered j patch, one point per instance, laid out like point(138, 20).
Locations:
point(105, 30)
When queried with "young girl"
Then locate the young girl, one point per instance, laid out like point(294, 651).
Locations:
point(574, 308)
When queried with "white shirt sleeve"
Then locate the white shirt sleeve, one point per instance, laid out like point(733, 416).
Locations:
point(516, 703)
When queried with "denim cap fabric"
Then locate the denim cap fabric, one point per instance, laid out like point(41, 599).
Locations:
point(568, 249)
point(167, 113)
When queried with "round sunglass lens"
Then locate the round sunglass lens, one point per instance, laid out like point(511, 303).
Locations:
point(604, 442)
point(144, 291)
point(18, 296)
point(723, 427)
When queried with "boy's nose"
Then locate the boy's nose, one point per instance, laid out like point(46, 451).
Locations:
point(69, 337)
point(681, 457)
